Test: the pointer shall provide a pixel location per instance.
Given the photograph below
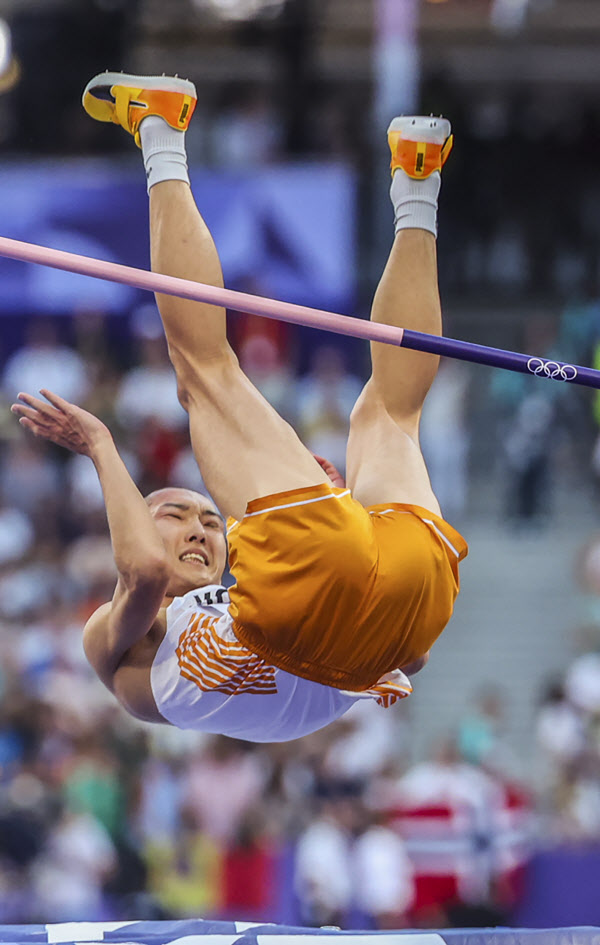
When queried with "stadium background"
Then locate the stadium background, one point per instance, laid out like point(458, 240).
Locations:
point(478, 802)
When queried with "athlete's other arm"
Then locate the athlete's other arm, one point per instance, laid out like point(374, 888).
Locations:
point(137, 546)
point(411, 669)
point(333, 473)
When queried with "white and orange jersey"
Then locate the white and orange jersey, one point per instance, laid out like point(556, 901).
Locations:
point(203, 678)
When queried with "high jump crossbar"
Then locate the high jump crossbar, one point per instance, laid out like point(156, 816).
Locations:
point(299, 314)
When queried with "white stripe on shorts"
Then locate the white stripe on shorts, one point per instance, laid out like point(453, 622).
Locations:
point(427, 521)
point(442, 536)
point(291, 505)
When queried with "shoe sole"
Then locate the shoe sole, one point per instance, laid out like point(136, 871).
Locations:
point(420, 128)
point(420, 146)
point(162, 83)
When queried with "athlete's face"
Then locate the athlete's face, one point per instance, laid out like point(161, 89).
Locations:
point(193, 534)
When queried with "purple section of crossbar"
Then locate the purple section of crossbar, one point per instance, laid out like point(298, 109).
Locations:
point(299, 314)
point(498, 357)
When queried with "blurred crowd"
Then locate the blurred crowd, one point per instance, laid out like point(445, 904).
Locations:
point(103, 817)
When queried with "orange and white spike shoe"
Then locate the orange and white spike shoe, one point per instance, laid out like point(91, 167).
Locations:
point(419, 145)
point(127, 99)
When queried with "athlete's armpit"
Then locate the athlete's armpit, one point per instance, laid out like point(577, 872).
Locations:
point(118, 625)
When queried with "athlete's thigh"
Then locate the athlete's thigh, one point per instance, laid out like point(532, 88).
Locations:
point(244, 449)
point(384, 461)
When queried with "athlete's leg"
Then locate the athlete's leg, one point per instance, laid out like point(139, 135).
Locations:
point(385, 463)
point(245, 450)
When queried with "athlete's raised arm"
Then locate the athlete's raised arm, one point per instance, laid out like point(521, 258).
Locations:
point(331, 470)
point(138, 549)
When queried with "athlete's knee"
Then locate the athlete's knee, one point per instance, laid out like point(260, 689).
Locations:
point(373, 411)
point(366, 407)
point(204, 378)
point(370, 409)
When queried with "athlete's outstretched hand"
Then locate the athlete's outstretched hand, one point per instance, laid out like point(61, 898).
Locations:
point(333, 473)
point(61, 422)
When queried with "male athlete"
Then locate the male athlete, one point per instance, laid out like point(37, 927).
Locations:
point(336, 588)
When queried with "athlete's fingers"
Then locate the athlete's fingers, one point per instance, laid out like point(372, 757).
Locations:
point(328, 468)
point(38, 404)
point(27, 398)
point(59, 402)
point(41, 424)
point(22, 411)
point(31, 421)
point(29, 425)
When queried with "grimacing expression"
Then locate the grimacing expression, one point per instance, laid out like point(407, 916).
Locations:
point(193, 533)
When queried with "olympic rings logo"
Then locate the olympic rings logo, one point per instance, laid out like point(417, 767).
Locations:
point(552, 369)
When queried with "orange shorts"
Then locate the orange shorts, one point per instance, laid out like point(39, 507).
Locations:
point(338, 593)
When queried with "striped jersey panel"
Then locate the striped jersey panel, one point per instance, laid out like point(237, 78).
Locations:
point(219, 665)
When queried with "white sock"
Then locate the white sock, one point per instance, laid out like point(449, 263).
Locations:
point(415, 201)
point(163, 150)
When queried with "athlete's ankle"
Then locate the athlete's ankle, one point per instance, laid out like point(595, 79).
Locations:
point(163, 150)
point(415, 201)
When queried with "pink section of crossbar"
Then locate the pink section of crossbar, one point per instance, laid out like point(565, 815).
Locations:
point(199, 292)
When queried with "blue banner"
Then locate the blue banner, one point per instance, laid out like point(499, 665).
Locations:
point(284, 232)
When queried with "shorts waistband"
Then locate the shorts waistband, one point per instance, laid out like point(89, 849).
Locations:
point(290, 499)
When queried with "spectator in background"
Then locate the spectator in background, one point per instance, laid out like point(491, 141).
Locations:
point(384, 887)
point(147, 405)
point(587, 575)
point(68, 878)
point(444, 437)
point(325, 397)
point(531, 431)
point(365, 742)
point(351, 868)
point(250, 880)
point(184, 474)
point(184, 873)
point(17, 535)
point(158, 799)
point(559, 729)
point(582, 683)
point(245, 131)
point(148, 391)
point(30, 480)
point(261, 360)
point(567, 736)
point(91, 785)
point(482, 736)
point(103, 360)
point(527, 452)
point(82, 483)
point(223, 781)
point(561, 739)
point(466, 833)
point(322, 876)
point(42, 360)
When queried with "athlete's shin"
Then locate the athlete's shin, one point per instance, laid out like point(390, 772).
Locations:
point(407, 296)
point(181, 245)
